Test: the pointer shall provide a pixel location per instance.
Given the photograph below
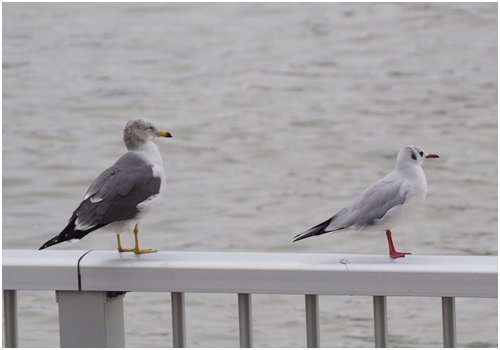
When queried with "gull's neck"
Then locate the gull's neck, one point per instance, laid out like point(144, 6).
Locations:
point(149, 151)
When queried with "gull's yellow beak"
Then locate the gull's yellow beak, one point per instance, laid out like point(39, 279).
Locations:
point(163, 133)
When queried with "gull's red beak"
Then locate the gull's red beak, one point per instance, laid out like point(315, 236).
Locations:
point(432, 156)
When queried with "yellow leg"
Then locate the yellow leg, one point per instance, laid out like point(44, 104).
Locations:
point(120, 248)
point(137, 250)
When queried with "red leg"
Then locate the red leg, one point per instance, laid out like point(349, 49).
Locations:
point(392, 251)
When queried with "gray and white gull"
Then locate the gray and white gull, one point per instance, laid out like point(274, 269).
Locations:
point(386, 203)
point(120, 197)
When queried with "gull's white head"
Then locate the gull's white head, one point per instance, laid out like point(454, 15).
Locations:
point(139, 131)
point(412, 155)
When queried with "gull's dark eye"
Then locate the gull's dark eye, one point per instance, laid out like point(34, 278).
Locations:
point(421, 154)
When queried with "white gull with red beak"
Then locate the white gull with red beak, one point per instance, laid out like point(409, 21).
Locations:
point(386, 203)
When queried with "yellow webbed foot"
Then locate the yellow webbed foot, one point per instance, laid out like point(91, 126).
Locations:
point(144, 251)
point(120, 248)
point(126, 250)
point(136, 249)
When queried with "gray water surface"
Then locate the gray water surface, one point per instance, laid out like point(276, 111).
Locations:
point(281, 113)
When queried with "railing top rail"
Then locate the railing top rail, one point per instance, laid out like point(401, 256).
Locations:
point(264, 273)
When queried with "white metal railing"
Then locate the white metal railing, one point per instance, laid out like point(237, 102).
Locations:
point(90, 285)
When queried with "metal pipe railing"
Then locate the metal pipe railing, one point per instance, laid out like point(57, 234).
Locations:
point(83, 278)
point(178, 320)
point(245, 318)
point(312, 321)
point(380, 320)
point(10, 318)
point(449, 321)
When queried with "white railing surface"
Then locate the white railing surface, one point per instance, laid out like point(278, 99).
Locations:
point(90, 286)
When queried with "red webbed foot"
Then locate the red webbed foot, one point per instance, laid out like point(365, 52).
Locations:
point(392, 251)
point(395, 255)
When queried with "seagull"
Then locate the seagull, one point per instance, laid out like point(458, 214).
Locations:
point(386, 203)
point(120, 197)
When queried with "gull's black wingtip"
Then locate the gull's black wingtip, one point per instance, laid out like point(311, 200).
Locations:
point(298, 238)
point(314, 231)
point(49, 243)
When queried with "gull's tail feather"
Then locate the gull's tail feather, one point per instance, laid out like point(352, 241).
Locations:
point(314, 231)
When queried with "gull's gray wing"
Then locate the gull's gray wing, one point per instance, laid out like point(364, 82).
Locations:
point(371, 205)
point(368, 208)
point(113, 196)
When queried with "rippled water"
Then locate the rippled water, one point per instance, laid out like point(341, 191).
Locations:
point(281, 115)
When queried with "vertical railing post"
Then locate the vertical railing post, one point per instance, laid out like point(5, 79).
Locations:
point(10, 318)
point(312, 321)
point(449, 323)
point(178, 320)
point(380, 320)
point(245, 316)
point(91, 319)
